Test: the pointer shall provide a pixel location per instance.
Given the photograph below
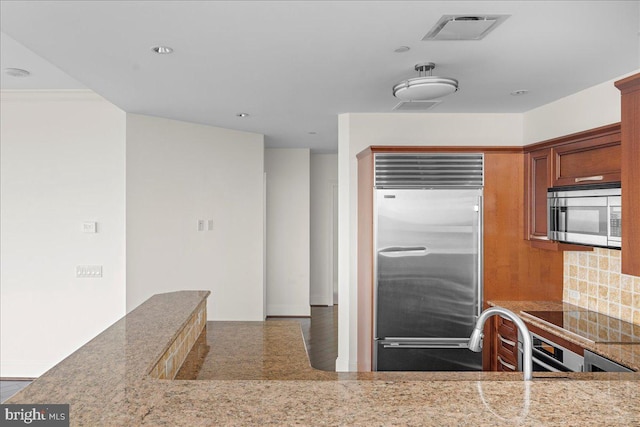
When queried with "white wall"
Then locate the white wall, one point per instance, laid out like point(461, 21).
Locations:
point(324, 176)
point(178, 173)
point(288, 236)
point(62, 164)
point(358, 131)
point(593, 107)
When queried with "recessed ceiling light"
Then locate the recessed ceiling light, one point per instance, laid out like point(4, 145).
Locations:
point(402, 49)
point(312, 133)
point(16, 72)
point(162, 50)
point(243, 115)
point(519, 92)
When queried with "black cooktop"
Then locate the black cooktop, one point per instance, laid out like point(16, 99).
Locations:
point(591, 325)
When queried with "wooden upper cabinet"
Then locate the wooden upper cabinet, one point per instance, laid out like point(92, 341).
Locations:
point(587, 161)
point(538, 170)
point(583, 158)
point(630, 88)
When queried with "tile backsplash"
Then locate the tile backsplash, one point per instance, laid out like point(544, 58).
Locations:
point(593, 280)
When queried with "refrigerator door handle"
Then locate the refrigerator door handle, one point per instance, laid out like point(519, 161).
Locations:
point(427, 343)
point(480, 243)
point(400, 251)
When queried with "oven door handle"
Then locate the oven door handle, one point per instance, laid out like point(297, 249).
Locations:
point(541, 363)
point(545, 366)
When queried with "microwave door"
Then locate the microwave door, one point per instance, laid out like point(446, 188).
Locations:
point(557, 224)
point(580, 220)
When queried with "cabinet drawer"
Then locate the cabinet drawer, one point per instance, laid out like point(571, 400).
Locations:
point(507, 328)
point(508, 348)
point(506, 365)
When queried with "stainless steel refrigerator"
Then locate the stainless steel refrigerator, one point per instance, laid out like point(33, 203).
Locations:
point(428, 278)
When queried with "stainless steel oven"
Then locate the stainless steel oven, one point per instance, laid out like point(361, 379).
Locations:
point(595, 363)
point(587, 215)
point(548, 356)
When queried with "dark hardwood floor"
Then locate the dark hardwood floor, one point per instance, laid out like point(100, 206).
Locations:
point(320, 335)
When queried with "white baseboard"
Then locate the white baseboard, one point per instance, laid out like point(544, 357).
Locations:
point(288, 310)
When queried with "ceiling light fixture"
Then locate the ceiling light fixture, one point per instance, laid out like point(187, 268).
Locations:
point(519, 92)
point(402, 49)
point(16, 72)
point(242, 115)
point(425, 87)
point(162, 50)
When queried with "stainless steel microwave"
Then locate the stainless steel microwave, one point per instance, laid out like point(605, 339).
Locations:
point(586, 215)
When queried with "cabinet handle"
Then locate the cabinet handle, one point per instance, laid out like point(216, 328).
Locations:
point(590, 178)
point(506, 341)
point(508, 365)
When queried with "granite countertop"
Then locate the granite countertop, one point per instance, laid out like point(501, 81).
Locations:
point(626, 354)
point(106, 382)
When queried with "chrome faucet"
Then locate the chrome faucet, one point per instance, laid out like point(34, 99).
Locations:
point(475, 341)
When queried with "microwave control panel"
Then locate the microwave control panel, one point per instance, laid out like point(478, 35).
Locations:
point(615, 221)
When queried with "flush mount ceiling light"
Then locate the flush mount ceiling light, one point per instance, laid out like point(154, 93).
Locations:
point(425, 87)
point(16, 72)
point(464, 27)
point(162, 50)
point(519, 92)
point(242, 115)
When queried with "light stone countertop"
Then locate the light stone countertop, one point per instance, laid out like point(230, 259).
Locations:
point(626, 354)
point(106, 383)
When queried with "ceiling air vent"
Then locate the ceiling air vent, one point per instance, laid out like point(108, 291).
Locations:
point(417, 106)
point(464, 27)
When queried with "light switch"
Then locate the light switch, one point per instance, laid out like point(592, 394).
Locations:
point(201, 225)
point(210, 224)
point(89, 227)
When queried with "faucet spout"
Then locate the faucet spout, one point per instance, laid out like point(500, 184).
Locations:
point(475, 341)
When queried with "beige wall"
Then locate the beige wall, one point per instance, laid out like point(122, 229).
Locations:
point(288, 231)
point(324, 177)
point(178, 173)
point(62, 164)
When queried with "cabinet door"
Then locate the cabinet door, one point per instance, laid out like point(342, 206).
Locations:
point(587, 162)
point(538, 168)
point(630, 88)
point(507, 346)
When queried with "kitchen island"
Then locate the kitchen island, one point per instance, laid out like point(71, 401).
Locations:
point(115, 379)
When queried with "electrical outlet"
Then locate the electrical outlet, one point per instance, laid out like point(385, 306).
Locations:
point(574, 295)
point(89, 271)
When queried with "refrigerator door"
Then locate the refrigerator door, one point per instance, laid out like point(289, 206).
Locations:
point(426, 355)
point(428, 263)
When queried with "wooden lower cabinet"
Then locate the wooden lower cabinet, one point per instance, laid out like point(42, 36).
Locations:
point(503, 346)
point(507, 345)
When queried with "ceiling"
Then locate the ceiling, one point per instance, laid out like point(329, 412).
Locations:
point(293, 66)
